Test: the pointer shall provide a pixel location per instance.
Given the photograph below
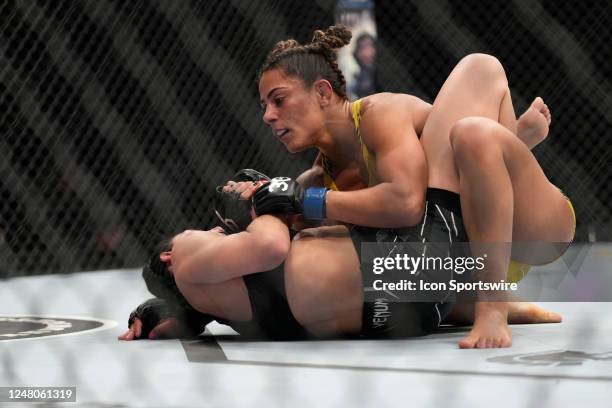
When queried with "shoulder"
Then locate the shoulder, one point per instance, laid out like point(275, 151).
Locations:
point(388, 116)
point(385, 102)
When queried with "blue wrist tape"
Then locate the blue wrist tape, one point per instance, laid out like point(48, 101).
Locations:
point(314, 203)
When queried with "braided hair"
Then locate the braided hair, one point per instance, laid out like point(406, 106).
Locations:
point(313, 61)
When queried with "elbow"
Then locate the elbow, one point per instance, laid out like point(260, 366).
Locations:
point(413, 209)
point(409, 203)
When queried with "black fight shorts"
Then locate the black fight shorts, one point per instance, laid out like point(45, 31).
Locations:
point(388, 314)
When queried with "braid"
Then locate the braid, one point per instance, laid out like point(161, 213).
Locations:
point(305, 62)
point(283, 46)
point(335, 37)
point(327, 52)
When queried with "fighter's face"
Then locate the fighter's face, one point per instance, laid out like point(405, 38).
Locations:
point(290, 109)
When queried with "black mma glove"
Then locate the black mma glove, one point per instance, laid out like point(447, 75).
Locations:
point(234, 212)
point(150, 313)
point(249, 175)
point(282, 195)
point(153, 311)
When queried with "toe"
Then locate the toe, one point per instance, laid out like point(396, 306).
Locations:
point(537, 103)
point(468, 342)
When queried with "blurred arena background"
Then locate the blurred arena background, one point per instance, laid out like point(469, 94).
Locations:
point(118, 118)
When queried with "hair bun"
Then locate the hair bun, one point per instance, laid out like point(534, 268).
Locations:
point(336, 36)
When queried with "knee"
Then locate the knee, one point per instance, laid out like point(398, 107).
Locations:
point(471, 140)
point(469, 131)
point(484, 66)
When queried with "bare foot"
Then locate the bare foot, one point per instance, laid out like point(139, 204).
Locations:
point(525, 313)
point(490, 328)
point(532, 126)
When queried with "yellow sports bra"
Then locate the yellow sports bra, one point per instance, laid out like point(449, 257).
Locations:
point(368, 158)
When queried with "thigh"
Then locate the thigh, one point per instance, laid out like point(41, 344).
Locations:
point(475, 87)
point(323, 282)
point(541, 213)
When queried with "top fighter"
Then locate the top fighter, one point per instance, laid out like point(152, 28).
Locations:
point(372, 170)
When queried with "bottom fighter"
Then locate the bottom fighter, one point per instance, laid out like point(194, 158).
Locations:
point(266, 284)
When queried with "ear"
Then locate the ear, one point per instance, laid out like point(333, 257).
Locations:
point(324, 91)
point(165, 257)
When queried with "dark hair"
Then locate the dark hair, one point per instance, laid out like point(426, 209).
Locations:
point(313, 61)
point(160, 281)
